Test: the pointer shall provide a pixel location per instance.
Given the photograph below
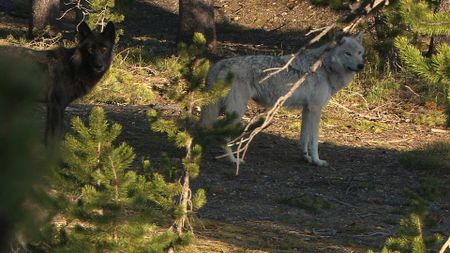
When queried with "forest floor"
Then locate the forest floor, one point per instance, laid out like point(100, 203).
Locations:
point(279, 203)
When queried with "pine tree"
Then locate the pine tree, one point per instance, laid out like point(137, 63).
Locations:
point(411, 238)
point(106, 206)
point(185, 132)
point(97, 12)
point(102, 11)
point(436, 70)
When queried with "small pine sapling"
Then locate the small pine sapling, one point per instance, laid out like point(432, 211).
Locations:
point(411, 238)
point(185, 131)
point(106, 206)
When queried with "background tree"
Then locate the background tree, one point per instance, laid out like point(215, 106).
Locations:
point(436, 69)
point(197, 16)
point(443, 7)
point(43, 13)
point(96, 13)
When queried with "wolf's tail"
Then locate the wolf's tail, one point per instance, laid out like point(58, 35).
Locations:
point(209, 114)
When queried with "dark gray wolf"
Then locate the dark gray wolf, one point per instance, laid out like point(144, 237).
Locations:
point(72, 72)
point(337, 70)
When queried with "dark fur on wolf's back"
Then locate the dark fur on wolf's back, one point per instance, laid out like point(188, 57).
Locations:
point(72, 72)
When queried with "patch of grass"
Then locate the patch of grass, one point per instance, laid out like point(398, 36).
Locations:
point(295, 126)
point(430, 190)
point(123, 84)
point(431, 157)
point(431, 118)
point(364, 125)
point(287, 219)
point(382, 89)
point(307, 202)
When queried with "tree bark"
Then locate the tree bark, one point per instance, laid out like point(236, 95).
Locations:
point(197, 16)
point(44, 13)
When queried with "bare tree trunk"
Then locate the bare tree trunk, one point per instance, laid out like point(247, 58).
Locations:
point(197, 16)
point(44, 13)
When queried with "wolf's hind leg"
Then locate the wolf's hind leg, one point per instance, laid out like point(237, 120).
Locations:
point(236, 103)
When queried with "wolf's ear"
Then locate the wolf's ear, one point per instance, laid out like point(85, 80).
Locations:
point(83, 31)
point(342, 40)
point(110, 32)
point(338, 34)
point(359, 36)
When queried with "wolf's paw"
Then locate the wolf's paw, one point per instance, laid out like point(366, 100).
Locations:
point(307, 158)
point(320, 163)
point(234, 160)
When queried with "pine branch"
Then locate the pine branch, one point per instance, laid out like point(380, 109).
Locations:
point(423, 19)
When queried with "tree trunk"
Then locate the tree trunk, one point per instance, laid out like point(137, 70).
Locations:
point(197, 16)
point(44, 13)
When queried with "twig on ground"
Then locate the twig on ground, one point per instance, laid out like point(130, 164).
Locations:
point(441, 131)
point(335, 200)
point(412, 91)
point(351, 111)
point(373, 234)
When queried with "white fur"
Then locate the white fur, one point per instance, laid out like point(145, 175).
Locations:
point(338, 69)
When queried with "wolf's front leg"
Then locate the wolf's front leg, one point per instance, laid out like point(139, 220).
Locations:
point(54, 123)
point(315, 125)
point(309, 136)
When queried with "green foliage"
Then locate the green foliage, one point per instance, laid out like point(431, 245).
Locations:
point(304, 201)
point(24, 160)
point(421, 18)
point(122, 84)
point(411, 238)
point(104, 202)
point(189, 93)
point(102, 11)
point(436, 70)
point(199, 199)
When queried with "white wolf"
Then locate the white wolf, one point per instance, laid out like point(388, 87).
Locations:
point(338, 68)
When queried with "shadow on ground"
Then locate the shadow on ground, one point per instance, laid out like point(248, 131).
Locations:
point(363, 191)
point(148, 20)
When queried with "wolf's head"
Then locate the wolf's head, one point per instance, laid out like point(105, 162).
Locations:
point(349, 54)
point(94, 51)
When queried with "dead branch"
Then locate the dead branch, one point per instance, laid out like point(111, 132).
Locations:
point(445, 246)
point(244, 140)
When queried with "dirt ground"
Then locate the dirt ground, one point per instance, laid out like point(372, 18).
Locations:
point(364, 185)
